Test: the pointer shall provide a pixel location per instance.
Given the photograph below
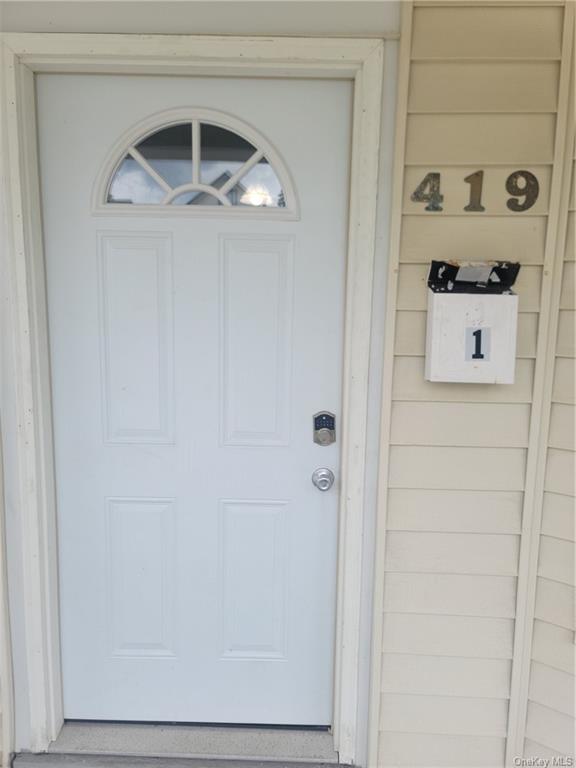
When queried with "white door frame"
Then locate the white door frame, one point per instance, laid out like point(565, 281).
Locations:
point(25, 393)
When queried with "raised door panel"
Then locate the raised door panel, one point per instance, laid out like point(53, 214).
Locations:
point(137, 328)
point(256, 304)
point(141, 583)
point(253, 575)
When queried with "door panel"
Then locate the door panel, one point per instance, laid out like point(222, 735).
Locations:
point(189, 354)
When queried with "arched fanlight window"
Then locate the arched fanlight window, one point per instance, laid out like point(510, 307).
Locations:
point(197, 163)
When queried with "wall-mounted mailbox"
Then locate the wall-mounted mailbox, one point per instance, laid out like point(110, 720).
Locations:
point(472, 319)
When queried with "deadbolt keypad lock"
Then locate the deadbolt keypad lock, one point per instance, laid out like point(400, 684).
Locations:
point(324, 428)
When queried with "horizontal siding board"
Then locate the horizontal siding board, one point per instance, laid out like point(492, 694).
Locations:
point(454, 511)
point(566, 344)
point(527, 86)
point(473, 238)
point(527, 335)
point(558, 516)
point(445, 676)
point(562, 424)
point(477, 33)
point(550, 728)
point(466, 553)
point(411, 333)
point(407, 713)
point(563, 390)
point(462, 636)
point(463, 424)
point(532, 749)
point(560, 472)
point(517, 140)
point(447, 594)
point(552, 688)
point(555, 603)
point(438, 751)
point(556, 560)
point(553, 646)
point(413, 287)
point(568, 286)
point(497, 469)
point(409, 384)
point(456, 191)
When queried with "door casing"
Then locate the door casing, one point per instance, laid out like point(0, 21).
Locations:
point(25, 397)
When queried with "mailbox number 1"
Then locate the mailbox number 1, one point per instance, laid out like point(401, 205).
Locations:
point(477, 344)
point(478, 354)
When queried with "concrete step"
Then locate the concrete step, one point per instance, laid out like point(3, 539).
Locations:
point(187, 741)
point(52, 760)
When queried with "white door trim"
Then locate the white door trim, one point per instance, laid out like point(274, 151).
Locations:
point(25, 391)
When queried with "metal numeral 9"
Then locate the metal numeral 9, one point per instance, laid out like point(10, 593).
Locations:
point(529, 191)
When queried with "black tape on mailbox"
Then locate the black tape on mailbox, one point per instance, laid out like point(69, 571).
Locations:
point(492, 277)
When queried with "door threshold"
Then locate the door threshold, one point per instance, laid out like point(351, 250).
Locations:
point(196, 741)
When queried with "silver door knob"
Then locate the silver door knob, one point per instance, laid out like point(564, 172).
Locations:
point(323, 479)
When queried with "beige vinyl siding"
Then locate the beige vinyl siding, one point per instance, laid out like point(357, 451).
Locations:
point(486, 32)
point(518, 238)
point(555, 603)
point(471, 87)
point(455, 595)
point(480, 139)
point(564, 380)
point(550, 724)
point(483, 85)
point(409, 384)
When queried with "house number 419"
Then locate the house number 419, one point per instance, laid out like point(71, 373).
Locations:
point(523, 196)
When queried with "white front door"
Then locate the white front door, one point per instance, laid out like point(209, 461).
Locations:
point(190, 350)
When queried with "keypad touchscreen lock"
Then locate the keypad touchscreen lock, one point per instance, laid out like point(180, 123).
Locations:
point(324, 428)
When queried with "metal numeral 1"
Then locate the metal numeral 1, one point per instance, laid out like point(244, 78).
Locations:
point(475, 180)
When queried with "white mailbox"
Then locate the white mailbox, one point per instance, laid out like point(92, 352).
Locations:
point(472, 319)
